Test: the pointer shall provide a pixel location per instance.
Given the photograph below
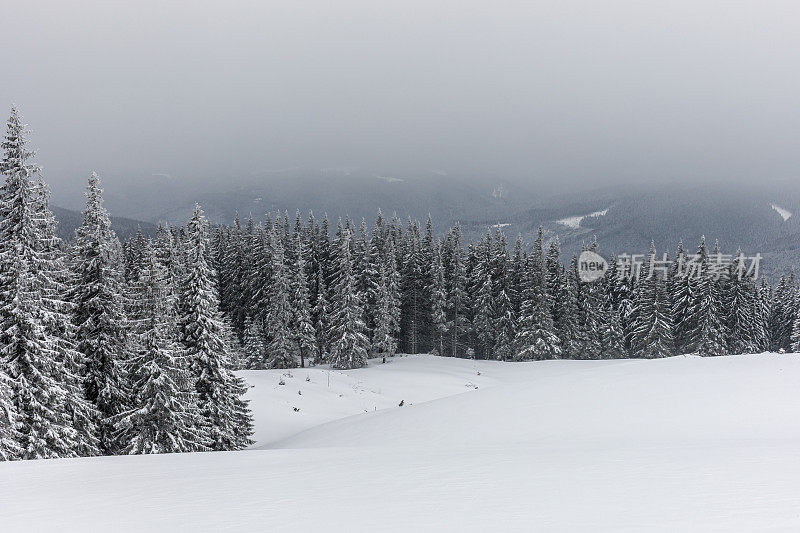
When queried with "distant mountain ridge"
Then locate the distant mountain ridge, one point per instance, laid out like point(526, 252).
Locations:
point(69, 220)
point(624, 219)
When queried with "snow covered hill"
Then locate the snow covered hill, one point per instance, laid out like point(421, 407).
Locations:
point(574, 222)
point(679, 444)
point(322, 395)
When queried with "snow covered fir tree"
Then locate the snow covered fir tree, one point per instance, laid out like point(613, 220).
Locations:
point(110, 348)
point(99, 359)
point(398, 288)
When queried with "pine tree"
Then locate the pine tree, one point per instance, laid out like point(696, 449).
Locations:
point(54, 280)
point(439, 303)
point(593, 305)
point(706, 313)
point(393, 289)
point(517, 276)
point(413, 310)
point(740, 302)
point(321, 317)
point(504, 319)
point(682, 287)
point(303, 332)
point(761, 317)
point(99, 317)
point(783, 314)
point(170, 256)
point(282, 351)
point(536, 339)
point(10, 437)
point(204, 336)
point(612, 335)
point(563, 297)
point(369, 277)
point(254, 344)
point(39, 390)
point(652, 336)
point(483, 299)
point(383, 343)
point(164, 417)
point(260, 276)
point(349, 344)
point(614, 306)
point(134, 250)
point(570, 324)
point(795, 337)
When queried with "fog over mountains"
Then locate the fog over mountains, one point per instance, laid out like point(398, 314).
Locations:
point(758, 218)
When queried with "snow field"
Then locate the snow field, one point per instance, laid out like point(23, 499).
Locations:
point(677, 444)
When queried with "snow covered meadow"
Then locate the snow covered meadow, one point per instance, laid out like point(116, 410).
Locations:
point(676, 444)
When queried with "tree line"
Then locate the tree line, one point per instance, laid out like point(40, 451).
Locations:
point(96, 363)
point(296, 295)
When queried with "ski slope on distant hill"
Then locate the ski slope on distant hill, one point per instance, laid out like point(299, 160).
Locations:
point(679, 444)
point(574, 222)
point(784, 213)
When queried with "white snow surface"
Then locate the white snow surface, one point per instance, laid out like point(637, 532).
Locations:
point(575, 222)
point(678, 444)
point(784, 213)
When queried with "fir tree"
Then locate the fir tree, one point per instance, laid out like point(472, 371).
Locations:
point(38, 383)
point(204, 336)
point(260, 276)
point(483, 299)
point(413, 308)
point(615, 303)
point(349, 344)
point(652, 336)
point(303, 332)
point(54, 280)
point(761, 316)
point(99, 317)
point(321, 316)
point(164, 417)
point(590, 302)
point(536, 338)
point(254, 345)
point(612, 335)
point(517, 276)
point(504, 319)
point(783, 313)
point(569, 325)
point(740, 303)
point(708, 333)
point(393, 289)
point(10, 437)
point(439, 303)
point(383, 343)
point(682, 287)
point(281, 349)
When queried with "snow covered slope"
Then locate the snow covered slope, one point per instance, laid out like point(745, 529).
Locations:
point(681, 444)
point(574, 222)
point(322, 395)
point(784, 213)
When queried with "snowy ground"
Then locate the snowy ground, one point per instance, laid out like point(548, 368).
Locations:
point(784, 213)
point(575, 222)
point(681, 444)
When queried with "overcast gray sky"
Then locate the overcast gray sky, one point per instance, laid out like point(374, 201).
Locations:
point(580, 92)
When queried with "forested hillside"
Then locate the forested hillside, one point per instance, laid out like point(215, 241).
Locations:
point(110, 348)
point(627, 218)
point(69, 221)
